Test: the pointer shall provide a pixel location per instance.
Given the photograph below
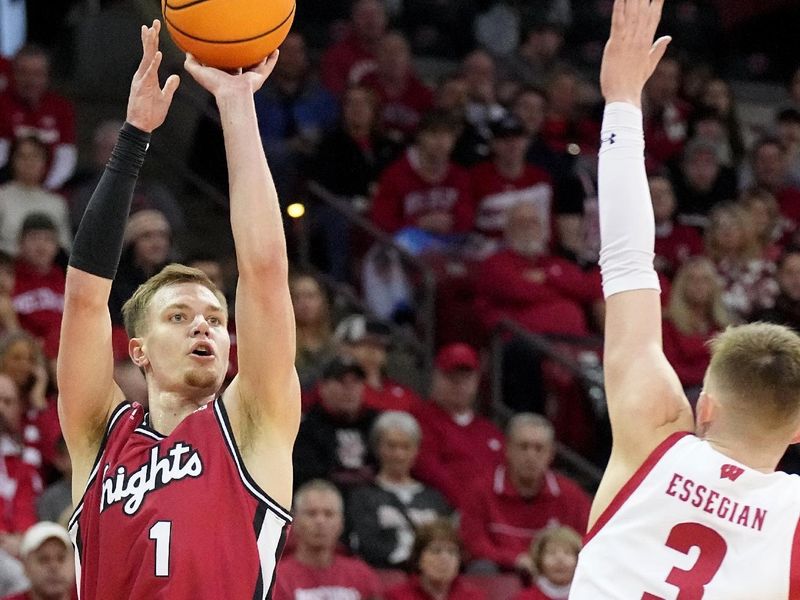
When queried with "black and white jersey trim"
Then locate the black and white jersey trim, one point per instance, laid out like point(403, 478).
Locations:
point(247, 480)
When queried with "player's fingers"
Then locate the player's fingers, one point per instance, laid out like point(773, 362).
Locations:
point(171, 85)
point(191, 64)
point(145, 62)
point(152, 70)
point(657, 51)
point(267, 65)
point(631, 18)
point(656, 9)
point(618, 19)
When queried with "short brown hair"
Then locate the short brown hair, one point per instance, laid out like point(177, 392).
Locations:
point(758, 365)
point(134, 311)
point(440, 530)
point(558, 535)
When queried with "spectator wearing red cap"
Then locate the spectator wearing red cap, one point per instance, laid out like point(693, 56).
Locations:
point(28, 108)
point(354, 56)
point(424, 189)
point(367, 342)
point(46, 553)
point(503, 513)
point(38, 295)
point(457, 444)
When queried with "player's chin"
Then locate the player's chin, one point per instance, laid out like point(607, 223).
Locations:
point(203, 379)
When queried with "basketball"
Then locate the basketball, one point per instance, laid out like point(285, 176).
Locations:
point(228, 34)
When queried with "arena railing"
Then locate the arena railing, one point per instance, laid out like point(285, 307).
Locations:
point(586, 370)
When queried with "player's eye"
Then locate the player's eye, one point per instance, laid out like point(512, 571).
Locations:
point(177, 318)
point(214, 320)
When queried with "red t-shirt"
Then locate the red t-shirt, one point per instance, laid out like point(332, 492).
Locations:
point(494, 194)
point(392, 396)
point(532, 593)
point(52, 121)
point(451, 454)
point(545, 294)
point(666, 132)
point(344, 63)
point(674, 244)
point(27, 596)
point(20, 486)
point(404, 196)
point(412, 590)
point(40, 432)
point(498, 524)
point(38, 300)
point(689, 355)
point(401, 112)
point(345, 579)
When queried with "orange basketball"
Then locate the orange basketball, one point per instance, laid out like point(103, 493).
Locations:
point(228, 34)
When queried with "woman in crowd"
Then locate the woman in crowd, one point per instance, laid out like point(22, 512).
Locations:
point(436, 559)
point(747, 279)
point(695, 313)
point(554, 554)
point(312, 314)
point(382, 516)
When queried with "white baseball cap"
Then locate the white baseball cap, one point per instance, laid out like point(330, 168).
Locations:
point(38, 534)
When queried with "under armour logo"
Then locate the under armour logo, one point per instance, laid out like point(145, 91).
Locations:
point(731, 472)
point(611, 139)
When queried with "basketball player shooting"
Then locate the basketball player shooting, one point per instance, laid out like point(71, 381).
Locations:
point(187, 498)
point(689, 507)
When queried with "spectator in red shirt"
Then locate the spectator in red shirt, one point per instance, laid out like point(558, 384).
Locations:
point(507, 180)
point(503, 513)
point(46, 553)
point(424, 189)
point(315, 570)
point(367, 341)
point(702, 182)
point(770, 171)
point(457, 444)
point(403, 97)
point(695, 314)
point(765, 220)
point(554, 555)
point(666, 115)
point(436, 559)
point(38, 295)
point(354, 56)
point(675, 242)
point(29, 109)
point(544, 293)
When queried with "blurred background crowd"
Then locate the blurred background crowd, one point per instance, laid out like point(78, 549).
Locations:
point(436, 165)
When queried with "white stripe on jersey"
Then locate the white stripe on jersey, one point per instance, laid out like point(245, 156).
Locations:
point(268, 540)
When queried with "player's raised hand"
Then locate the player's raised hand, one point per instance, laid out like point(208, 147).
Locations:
point(631, 55)
point(148, 103)
point(242, 81)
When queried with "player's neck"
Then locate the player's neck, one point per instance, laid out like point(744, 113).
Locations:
point(321, 558)
point(758, 455)
point(167, 410)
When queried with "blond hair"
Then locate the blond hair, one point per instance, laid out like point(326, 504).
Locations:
point(554, 535)
point(758, 367)
point(749, 247)
point(679, 311)
point(134, 311)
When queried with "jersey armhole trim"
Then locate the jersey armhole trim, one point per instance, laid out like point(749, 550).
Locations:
point(112, 421)
point(794, 566)
point(247, 480)
point(634, 482)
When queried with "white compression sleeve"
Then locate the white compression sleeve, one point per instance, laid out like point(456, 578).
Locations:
point(627, 225)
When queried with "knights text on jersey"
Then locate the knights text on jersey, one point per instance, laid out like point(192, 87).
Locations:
point(694, 524)
point(175, 517)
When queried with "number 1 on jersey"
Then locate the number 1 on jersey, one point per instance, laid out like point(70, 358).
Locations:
point(712, 546)
point(161, 532)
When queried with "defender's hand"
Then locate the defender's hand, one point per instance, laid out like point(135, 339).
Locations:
point(631, 56)
point(148, 103)
point(219, 82)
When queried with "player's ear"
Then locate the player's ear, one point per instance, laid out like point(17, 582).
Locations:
point(706, 410)
point(796, 438)
point(136, 352)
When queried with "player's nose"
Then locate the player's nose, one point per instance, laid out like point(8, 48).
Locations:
point(200, 326)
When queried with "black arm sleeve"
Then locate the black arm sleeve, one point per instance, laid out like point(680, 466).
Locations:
point(98, 243)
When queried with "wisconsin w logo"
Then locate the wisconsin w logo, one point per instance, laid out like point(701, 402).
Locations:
point(731, 472)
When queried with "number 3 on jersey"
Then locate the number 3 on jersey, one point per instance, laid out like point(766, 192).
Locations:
point(692, 583)
point(161, 532)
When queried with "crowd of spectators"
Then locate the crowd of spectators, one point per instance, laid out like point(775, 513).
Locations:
point(480, 162)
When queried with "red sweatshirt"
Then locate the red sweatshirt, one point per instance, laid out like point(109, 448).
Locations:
point(401, 112)
point(346, 62)
point(412, 590)
point(674, 244)
point(545, 294)
point(498, 524)
point(20, 486)
point(38, 300)
point(688, 354)
point(404, 196)
point(451, 454)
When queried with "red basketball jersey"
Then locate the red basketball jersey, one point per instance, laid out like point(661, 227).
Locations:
point(175, 517)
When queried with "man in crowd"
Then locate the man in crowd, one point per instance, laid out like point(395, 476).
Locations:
point(504, 513)
point(46, 553)
point(787, 305)
point(315, 570)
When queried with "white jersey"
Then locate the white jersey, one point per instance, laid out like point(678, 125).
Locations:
point(693, 524)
